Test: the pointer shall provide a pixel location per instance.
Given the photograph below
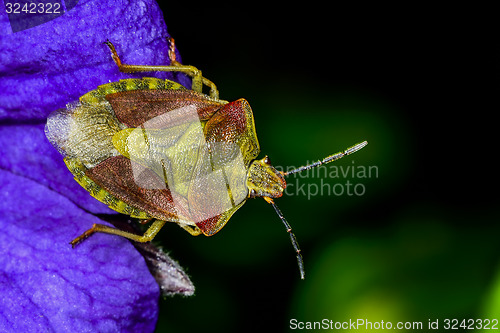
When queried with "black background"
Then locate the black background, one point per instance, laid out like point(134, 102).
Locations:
point(437, 64)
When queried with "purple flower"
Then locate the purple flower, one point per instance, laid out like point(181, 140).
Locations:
point(104, 284)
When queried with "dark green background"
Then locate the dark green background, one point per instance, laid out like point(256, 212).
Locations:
point(422, 242)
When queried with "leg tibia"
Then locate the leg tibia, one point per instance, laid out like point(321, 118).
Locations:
point(148, 235)
point(193, 230)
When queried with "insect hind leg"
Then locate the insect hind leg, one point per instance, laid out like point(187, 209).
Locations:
point(146, 237)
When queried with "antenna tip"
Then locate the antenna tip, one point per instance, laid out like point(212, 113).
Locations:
point(355, 148)
point(361, 144)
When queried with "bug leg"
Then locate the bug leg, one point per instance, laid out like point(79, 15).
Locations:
point(148, 235)
point(197, 82)
point(198, 79)
point(194, 231)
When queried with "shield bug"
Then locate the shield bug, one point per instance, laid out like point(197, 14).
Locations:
point(156, 151)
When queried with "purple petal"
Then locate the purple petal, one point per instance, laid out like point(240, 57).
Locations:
point(50, 65)
point(102, 285)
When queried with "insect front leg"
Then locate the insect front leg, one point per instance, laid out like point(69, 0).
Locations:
point(148, 235)
point(197, 82)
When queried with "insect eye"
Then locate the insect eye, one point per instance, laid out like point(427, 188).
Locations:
point(253, 193)
point(267, 160)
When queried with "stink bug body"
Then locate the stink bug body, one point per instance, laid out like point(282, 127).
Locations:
point(156, 151)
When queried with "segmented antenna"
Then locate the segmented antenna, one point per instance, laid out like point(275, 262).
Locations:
point(295, 244)
point(328, 159)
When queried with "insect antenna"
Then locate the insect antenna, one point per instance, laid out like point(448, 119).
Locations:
point(295, 244)
point(328, 159)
